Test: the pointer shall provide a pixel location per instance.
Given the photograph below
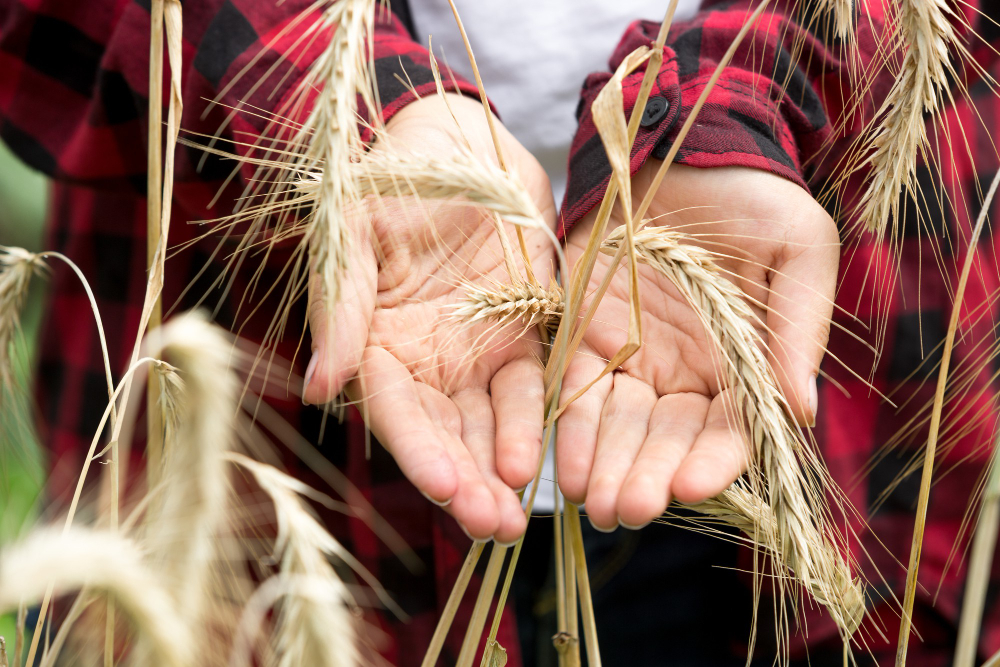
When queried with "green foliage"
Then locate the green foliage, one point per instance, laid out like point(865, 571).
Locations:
point(23, 199)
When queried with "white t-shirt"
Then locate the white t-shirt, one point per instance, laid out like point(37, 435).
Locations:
point(533, 56)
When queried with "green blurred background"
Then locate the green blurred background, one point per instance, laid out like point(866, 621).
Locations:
point(23, 203)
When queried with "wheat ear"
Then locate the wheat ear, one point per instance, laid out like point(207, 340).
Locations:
point(524, 304)
point(198, 397)
point(17, 267)
point(384, 173)
point(330, 134)
point(739, 507)
point(842, 12)
point(106, 564)
point(926, 32)
point(785, 461)
point(311, 630)
point(460, 174)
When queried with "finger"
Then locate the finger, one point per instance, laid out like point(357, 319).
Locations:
point(623, 429)
point(518, 396)
point(398, 418)
point(674, 425)
point(798, 320)
point(717, 457)
point(339, 337)
point(479, 437)
point(576, 436)
point(468, 421)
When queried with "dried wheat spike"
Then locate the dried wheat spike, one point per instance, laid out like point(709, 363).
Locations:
point(312, 629)
point(199, 398)
point(785, 462)
point(385, 173)
point(739, 507)
point(842, 13)
point(107, 564)
point(926, 32)
point(17, 266)
point(330, 135)
point(525, 304)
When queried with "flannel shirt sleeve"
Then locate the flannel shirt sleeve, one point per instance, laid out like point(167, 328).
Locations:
point(74, 82)
point(772, 106)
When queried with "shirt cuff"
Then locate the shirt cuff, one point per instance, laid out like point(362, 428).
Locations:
point(736, 127)
point(403, 72)
point(589, 169)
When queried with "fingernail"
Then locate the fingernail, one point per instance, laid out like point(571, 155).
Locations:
point(601, 530)
point(813, 399)
point(310, 370)
point(506, 545)
point(477, 540)
point(439, 503)
point(630, 527)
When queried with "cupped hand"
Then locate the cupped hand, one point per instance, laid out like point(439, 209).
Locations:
point(657, 428)
point(458, 407)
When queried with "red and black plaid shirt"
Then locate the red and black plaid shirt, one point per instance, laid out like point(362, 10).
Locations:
point(73, 103)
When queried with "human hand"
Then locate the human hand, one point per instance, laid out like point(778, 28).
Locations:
point(657, 428)
point(450, 404)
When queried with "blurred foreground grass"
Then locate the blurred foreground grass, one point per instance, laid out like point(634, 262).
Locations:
point(23, 199)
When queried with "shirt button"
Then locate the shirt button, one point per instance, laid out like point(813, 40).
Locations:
point(656, 108)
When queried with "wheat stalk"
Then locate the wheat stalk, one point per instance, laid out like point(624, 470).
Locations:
point(19, 623)
point(524, 304)
point(926, 31)
point(168, 15)
point(923, 498)
point(109, 565)
point(981, 557)
point(784, 458)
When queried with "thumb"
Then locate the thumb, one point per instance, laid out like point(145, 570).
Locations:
point(800, 303)
point(339, 337)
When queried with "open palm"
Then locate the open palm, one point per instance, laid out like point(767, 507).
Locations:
point(658, 427)
point(448, 400)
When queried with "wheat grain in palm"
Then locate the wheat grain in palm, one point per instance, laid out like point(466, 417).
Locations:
point(524, 304)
